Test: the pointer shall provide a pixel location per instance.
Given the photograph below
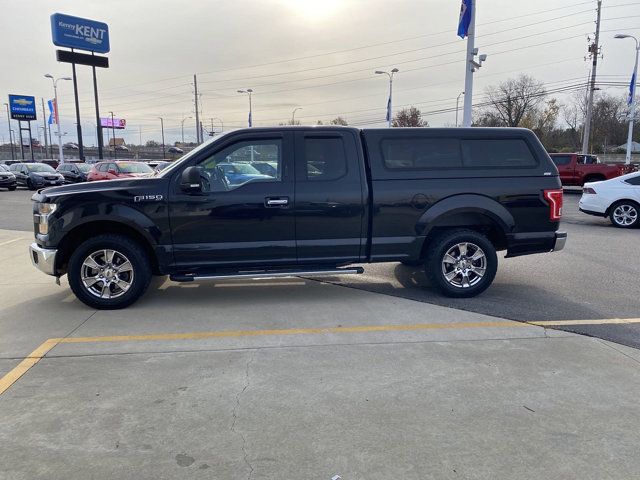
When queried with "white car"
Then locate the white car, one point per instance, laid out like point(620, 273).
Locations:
point(618, 199)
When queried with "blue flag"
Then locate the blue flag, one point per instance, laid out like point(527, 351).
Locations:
point(465, 18)
point(53, 114)
point(632, 89)
point(389, 109)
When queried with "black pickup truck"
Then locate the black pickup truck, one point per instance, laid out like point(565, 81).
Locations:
point(332, 198)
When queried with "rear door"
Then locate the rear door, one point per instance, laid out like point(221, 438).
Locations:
point(330, 197)
point(566, 168)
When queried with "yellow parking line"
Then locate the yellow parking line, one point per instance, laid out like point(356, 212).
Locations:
point(24, 366)
point(10, 241)
point(606, 321)
point(290, 331)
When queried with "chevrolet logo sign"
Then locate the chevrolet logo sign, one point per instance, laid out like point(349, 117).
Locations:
point(22, 101)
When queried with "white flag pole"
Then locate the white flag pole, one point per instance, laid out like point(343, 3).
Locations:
point(467, 112)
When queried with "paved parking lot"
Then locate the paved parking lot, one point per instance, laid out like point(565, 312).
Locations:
point(298, 378)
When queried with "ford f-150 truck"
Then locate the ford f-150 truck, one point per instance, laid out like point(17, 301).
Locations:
point(448, 199)
point(576, 169)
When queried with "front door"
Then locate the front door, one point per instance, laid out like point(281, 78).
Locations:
point(330, 198)
point(241, 217)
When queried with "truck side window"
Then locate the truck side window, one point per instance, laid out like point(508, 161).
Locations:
point(241, 163)
point(510, 153)
point(325, 158)
point(421, 153)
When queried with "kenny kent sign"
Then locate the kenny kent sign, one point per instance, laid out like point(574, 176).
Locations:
point(80, 33)
point(22, 107)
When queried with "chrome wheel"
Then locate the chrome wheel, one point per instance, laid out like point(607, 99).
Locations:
point(464, 265)
point(107, 273)
point(625, 215)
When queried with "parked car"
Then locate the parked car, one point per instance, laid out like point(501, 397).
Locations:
point(240, 173)
point(618, 199)
point(7, 179)
point(576, 169)
point(158, 165)
point(117, 169)
point(448, 198)
point(266, 168)
point(175, 150)
point(124, 148)
point(36, 175)
point(71, 146)
point(74, 172)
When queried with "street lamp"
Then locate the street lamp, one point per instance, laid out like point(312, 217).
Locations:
point(249, 92)
point(390, 102)
point(182, 127)
point(162, 128)
point(113, 136)
point(57, 115)
point(457, 106)
point(293, 115)
point(632, 94)
point(13, 153)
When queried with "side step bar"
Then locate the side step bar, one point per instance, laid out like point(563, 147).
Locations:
point(251, 274)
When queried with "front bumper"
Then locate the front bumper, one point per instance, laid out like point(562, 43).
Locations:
point(9, 182)
point(44, 259)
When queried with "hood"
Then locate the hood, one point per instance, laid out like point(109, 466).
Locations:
point(49, 193)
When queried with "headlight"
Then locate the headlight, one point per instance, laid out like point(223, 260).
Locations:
point(46, 208)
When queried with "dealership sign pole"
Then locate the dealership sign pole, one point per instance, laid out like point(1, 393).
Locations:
point(82, 34)
point(23, 109)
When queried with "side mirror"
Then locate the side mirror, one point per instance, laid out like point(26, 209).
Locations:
point(190, 180)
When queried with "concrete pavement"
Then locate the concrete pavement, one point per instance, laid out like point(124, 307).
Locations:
point(301, 379)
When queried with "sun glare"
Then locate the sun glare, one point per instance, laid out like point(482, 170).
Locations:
point(316, 10)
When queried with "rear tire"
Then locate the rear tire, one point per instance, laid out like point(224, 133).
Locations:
point(625, 214)
point(11, 189)
point(109, 272)
point(461, 263)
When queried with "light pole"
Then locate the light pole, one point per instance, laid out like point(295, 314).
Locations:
point(182, 128)
point(632, 94)
point(113, 136)
point(249, 92)
point(162, 128)
point(13, 154)
point(57, 114)
point(390, 101)
point(457, 106)
point(293, 115)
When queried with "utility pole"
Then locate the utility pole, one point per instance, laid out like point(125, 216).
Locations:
point(162, 128)
point(471, 65)
point(195, 88)
point(44, 125)
point(594, 53)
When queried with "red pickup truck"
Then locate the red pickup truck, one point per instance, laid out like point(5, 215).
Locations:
point(577, 169)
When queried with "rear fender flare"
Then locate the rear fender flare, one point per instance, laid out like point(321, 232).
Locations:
point(461, 204)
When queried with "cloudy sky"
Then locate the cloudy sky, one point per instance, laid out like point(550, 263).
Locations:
point(316, 54)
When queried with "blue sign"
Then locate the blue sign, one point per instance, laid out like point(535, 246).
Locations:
point(80, 33)
point(22, 107)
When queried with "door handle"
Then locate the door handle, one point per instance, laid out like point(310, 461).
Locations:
point(276, 202)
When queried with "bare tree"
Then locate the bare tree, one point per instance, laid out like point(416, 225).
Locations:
point(510, 101)
point(339, 121)
point(409, 117)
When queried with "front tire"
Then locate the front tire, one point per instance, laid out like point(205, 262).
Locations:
point(109, 272)
point(461, 263)
point(625, 214)
point(11, 189)
point(30, 184)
